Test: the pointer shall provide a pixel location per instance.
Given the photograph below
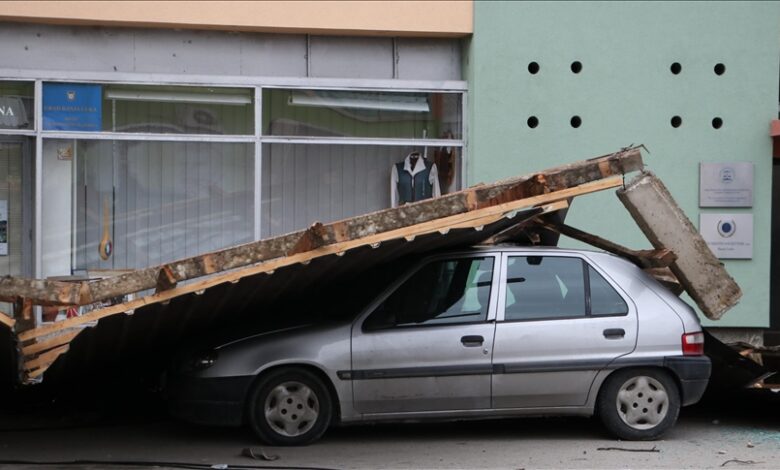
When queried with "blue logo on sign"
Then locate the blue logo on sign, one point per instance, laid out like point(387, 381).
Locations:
point(727, 175)
point(727, 228)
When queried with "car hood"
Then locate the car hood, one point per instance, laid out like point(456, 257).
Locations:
point(298, 330)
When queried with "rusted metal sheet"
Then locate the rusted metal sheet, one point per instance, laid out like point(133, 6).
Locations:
point(666, 226)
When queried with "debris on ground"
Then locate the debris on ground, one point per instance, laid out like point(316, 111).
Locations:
point(625, 449)
point(258, 454)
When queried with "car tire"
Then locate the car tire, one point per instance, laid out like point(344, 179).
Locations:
point(289, 407)
point(639, 404)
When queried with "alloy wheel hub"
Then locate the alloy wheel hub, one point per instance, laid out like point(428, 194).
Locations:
point(642, 402)
point(291, 409)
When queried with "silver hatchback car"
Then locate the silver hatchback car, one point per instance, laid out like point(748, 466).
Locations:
point(489, 332)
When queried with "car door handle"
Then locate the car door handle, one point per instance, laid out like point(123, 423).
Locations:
point(472, 341)
point(614, 333)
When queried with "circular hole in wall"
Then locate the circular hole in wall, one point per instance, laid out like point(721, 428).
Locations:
point(575, 122)
point(533, 121)
point(533, 68)
point(676, 121)
point(676, 68)
point(576, 66)
point(717, 123)
point(720, 69)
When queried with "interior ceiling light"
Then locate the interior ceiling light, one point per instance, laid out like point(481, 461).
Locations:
point(175, 97)
point(355, 100)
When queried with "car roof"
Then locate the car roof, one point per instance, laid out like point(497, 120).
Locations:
point(513, 247)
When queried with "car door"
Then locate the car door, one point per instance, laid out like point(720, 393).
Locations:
point(426, 345)
point(560, 321)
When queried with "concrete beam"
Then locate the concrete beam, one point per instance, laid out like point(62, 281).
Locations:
point(666, 226)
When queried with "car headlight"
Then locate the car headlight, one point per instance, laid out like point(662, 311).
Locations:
point(202, 361)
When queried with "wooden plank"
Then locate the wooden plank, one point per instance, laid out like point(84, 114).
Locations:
point(313, 237)
point(35, 373)
point(49, 343)
point(45, 358)
point(659, 258)
point(23, 313)
point(551, 180)
point(533, 212)
point(469, 219)
point(6, 320)
point(666, 226)
point(521, 229)
point(165, 279)
point(555, 206)
point(40, 291)
point(667, 278)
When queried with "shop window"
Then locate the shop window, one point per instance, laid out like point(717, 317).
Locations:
point(147, 109)
point(306, 183)
point(134, 204)
point(16, 105)
point(180, 110)
point(11, 208)
point(386, 115)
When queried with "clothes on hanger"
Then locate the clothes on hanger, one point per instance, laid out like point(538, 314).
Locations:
point(413, 179)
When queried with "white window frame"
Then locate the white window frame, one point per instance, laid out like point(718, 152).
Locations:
point(257, 84)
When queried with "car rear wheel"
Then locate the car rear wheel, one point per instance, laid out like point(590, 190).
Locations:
point(290, 407)
point(639, 404)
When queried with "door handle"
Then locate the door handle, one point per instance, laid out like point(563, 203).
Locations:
point(472, 341)
point(614, 333)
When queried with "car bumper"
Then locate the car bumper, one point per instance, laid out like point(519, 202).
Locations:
point(693, 373)
point(213, 401)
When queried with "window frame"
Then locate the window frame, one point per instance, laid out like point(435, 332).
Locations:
point(585, 263)
point(359, 323)
point(258, 84)
point(35, 129)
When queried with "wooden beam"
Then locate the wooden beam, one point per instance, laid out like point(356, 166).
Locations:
point(165, 279)
point(45, 358)
point(49, 343)
point(667, 278)
point(40, 291)
point(313, 237)
point(6, 320)
point(389, 220)
point(520, 229)
point(469, 219)
point(35, 373)
point(659, 258)
point(23, 313)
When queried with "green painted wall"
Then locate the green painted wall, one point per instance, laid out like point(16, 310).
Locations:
point(627, 94)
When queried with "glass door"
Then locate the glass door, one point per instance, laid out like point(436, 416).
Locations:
point(16, 193)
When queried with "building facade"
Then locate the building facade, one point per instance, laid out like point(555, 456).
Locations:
point(695, 82)
point(130, 137)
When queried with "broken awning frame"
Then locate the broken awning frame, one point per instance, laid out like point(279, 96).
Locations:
point(484, 208)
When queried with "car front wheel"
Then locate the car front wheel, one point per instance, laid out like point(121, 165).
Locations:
point(290, 407)
point(639, 404)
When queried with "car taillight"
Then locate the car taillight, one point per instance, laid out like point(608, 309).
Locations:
point(693, 344)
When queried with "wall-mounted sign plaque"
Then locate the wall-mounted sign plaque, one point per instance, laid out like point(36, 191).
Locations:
point(728, 184)
point(729, 236)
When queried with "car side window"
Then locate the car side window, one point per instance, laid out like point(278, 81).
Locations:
point(604, 300)
point(441, 292)
point(544, 287)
